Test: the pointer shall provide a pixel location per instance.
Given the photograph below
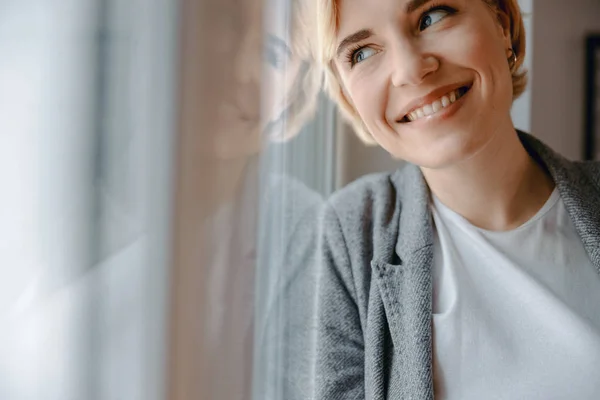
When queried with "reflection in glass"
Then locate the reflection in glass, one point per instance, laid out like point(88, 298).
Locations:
point(254, 191)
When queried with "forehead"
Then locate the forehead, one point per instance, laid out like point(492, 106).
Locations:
point(354, 14)
point(373, 14)
point(372, 6)
point(277, 16)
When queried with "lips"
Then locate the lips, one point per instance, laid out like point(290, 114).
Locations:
point(231, 110)
point(432, 101)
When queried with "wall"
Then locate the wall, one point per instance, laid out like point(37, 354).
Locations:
point(355, 159)
point(521, 110)
point(558, 88)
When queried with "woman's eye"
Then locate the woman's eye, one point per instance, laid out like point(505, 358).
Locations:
point(273, 57)
point(433, 17)
point(361, 55)
point(276, 52)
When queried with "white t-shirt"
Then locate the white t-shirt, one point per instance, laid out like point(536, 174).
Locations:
point(516, 313)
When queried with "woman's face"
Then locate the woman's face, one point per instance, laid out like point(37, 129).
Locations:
point(249, 70)
point(430, 79)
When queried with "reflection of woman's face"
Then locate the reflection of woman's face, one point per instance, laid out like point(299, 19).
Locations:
point(248, 65)
point(431, 83)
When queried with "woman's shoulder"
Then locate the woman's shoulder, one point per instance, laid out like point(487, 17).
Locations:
point(591, 169)
point(365, 194)
point(374, 201)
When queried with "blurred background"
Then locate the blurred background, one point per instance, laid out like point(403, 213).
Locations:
point(162, 167)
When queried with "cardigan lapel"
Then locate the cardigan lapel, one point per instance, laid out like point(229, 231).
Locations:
point(403, 274)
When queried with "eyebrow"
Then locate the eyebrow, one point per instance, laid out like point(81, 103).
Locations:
point(354, 38)
point(363, 34)
point(413, 5)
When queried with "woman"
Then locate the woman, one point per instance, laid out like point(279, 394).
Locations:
point(473, 271)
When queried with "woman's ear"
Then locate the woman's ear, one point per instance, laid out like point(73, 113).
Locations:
point(505, 28)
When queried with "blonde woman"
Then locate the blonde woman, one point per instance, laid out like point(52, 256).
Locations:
point(473, 271)
point(254, 81)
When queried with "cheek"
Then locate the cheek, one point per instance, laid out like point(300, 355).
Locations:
point(270, 88)
point(482, 50)
point(277, 87)
point(368, 92)
point(288, 81)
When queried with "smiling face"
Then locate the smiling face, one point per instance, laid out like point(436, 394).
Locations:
point(430, 80)
point(248, 71)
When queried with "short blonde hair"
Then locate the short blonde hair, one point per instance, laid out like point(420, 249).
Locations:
point(303, 97)
point(509, 14)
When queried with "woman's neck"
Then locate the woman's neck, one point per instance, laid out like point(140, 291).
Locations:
point(217, 182)
point(499, 188)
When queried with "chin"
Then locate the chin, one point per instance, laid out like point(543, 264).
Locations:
point(443, 160)
point(237, 143)
point(446, 151)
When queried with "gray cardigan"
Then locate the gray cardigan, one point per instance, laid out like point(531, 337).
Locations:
point(374, 290)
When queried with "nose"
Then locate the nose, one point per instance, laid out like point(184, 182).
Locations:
point(411, 65)
point(247, 76)
point(248, 61)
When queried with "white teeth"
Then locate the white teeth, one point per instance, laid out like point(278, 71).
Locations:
point(434, 107)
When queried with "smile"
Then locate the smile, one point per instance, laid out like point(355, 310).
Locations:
point(436, 105)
